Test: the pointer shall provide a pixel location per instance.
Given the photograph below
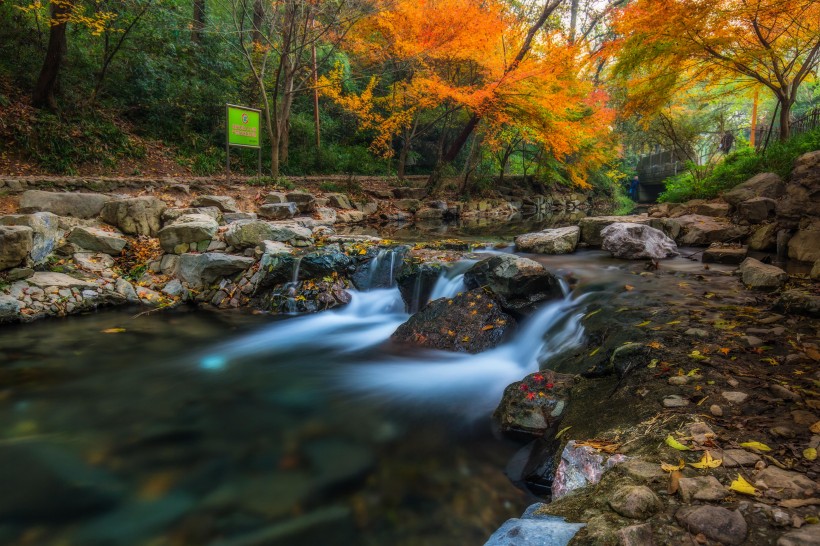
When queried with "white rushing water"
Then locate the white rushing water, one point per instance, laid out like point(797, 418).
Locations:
point(470, 383)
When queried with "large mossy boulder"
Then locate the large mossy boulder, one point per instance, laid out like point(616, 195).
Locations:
point(468, 323)
point(251, 233)
point(519, 283)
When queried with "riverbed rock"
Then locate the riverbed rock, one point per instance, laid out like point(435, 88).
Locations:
point(764, 238)
point(703, 230)
point(77, 205)
point(804, 246)
point(785, 484)
point(756, 209)
point(324, 262)
point(203, 269)
point(15, 245)
point(550, 241)
point(592, 226)
point(222, 202)
point(135, 216)
point(759, 276)
point(535, 405)
point(534, 530)
point(519, 283)
point(715, 209)
point(96, 262)
point(47, 232)
point(188, 231)
point(469, 323)
point(247, 234)
point(171, 215)
point(808, 535)
point(97, 240)
point(42, 481)
point(277, 211)
point(637, 242)
point(305, 202)
point(725, 254)
point(581, 466)
point(9, 308)
point(715, 522)
point(800, 302)
point(762, 185)
point(635, 501)
point(703, 488)
point(339, 201)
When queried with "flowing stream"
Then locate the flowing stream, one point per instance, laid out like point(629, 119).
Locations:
point(215, 426)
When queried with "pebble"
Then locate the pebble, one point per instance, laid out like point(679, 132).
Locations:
point(697, 332)
point(771, 319)
point(678, 380)
point(733, 458)
point(635, 501)
point(675, 401)
point(782, 392)
point(704, 488)
point(716, 410)
point(752, 341)
point(735, 397)
point(733, 382)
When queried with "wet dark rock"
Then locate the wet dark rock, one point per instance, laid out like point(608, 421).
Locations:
point(381, 268)
point(416, 282)
point(471, 323)
point(714, 522)
point(41, 481)
point(535, 405)
point(533, 466)
point(275, 269)
point(518, 283)
point(635, 501)
point(324, 262)
point(629, 357)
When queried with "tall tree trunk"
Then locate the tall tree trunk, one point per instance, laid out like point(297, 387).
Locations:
point(258, 19)
point(199, 21)
point(785, 118)
point(405, 150)
point(43, 96)
point(573, 20)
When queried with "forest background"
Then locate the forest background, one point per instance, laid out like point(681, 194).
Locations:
point(567, 92)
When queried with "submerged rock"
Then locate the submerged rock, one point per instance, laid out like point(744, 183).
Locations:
point(517, 282)
point(800, 302)
point(471, 323)
point(324, 262)
point(637, 242)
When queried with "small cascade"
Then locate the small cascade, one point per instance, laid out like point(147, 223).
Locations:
point(296, 263)
point(381, 270)
point(392, 266)
point(447, 288)
point(290, 306)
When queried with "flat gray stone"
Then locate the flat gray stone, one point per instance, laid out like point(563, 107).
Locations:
point(78, 205)
point(716, 522)
point(735, 397)
point(543, 531)
point(704, 488)
point(97, 240)
point(44, 279)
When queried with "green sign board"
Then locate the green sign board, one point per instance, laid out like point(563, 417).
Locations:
point(243, 126)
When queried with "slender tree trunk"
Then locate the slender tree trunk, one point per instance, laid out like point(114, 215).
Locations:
point(258, 20)
point(199, 21)
point(405, 150)
point(44, 90)
point(573, 20)
point(785, 119)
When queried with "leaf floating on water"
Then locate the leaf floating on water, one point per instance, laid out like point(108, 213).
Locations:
point(666, 467)
point(810, 453)
point(742, 486)
point(671, 442)
point(707, 462)
point(113, 330)
point(756, 445)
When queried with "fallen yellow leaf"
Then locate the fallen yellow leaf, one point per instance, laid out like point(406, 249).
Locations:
point(810, 453)
point(113, 330)
point(742, 486)
point(756, 445)
point(707, 462)
point(815, 428)
point(671, 442)
point(666, 467)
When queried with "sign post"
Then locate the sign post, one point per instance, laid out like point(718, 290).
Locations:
point(241, 130)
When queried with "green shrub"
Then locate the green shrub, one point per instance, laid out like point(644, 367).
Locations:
point(330, 187)
point(709, 181)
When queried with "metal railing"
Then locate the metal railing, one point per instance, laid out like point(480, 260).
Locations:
point(765, 135)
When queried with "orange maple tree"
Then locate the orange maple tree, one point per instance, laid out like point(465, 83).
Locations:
point(666, 46)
